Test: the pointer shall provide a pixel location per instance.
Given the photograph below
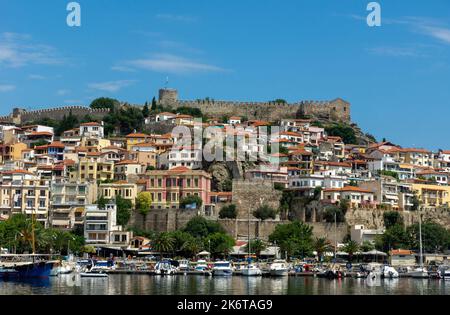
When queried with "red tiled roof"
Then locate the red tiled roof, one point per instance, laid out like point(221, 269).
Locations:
point(137, 135)
point(348, 188)
point(91, 124)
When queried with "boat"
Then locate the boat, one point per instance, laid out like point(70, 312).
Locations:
point(166, 267)
point(445, 274)
point(278, 268)
point(390, 272)
point(94, 273)
point(251, 270)
point(419, 273)
point(183, 265)
point(27, 266)
point(222, 268)
point(201, 265)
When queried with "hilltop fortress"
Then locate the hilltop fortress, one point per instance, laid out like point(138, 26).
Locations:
point(336, 110)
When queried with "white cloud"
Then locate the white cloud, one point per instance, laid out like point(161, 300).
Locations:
point(7, 87)
point(17, 50)
point(122, 69)
point(168, 63)
point(36, 77)
point(174, 17)
point(440, 33)
point(396, 51)
point(63, 92)
point(111, 86)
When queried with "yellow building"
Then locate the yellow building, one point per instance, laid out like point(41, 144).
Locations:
point(91, 170)
point(23, 192)
point(135, 138)
point(432, 195)
point(11, 152)
point(120, 188)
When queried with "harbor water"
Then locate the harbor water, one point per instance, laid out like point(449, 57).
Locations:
point(123, 284)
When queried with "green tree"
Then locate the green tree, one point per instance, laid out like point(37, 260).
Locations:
point(265, 212)
point(200, 227)
point(294, 238)
point(191, 199)
point(330, 212)
point(153, 108)
point(101, 202)
point(163, 243)
point(367, 246)
point(435, 238)
point(346, 132)
point(351, 248)
point(321, 246)
point(143, 203)
point(67, 123)
point(256, 247)
point(228, 212)
point(123, 210)
point(104, 102)
point(392, 218)
point(145, 110)
point(192, 245)
point(220, 243)
point(394, 237)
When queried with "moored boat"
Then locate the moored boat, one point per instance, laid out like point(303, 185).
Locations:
point(251, 270)
point(222, 268)
point(278, 268)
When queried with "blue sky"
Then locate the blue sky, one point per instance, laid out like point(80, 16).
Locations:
point(397, 76)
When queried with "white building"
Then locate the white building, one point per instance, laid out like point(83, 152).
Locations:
point(92, 130)
point(100, 224)
point(360, 234)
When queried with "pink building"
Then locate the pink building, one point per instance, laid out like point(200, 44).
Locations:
point(169, 187)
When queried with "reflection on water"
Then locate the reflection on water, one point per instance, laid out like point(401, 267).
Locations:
point(200, 285)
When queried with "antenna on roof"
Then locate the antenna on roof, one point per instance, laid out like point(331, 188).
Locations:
point(167, 82)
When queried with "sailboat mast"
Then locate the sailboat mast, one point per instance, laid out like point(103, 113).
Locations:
point(420, 240)
point(33, 240)
point(248, 217)
point(335, 236)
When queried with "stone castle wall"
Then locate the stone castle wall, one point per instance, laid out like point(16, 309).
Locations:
point(335, 110)
point(21, 116)
point(238, 228)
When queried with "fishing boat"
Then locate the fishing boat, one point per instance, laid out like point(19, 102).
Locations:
point(222, 268)
point(278, 268)
point(419, 273)
point(445, 274)
point(251, 270)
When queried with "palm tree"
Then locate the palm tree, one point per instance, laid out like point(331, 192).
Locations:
point(163, 243)
point(192, 246)
point(321, 246)
point(350, 248)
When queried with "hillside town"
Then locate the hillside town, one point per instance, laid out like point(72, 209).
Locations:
point(127, 183)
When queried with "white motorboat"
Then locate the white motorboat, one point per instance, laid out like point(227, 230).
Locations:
point(94, 272)
point(201, 265)
point(251, 270)
point(390, 272)
point(222, 268)
point(183, 265)
point(165, 267)
point(278, 268)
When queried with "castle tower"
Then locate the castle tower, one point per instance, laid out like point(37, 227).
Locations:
point(168, 96)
